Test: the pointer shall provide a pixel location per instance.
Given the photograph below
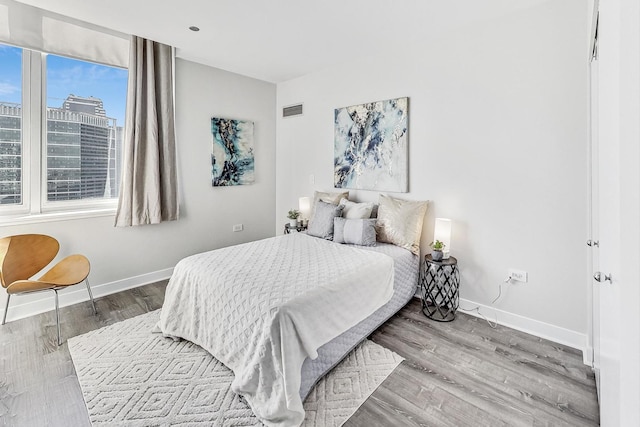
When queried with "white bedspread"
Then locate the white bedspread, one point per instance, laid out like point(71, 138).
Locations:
point(261, 308)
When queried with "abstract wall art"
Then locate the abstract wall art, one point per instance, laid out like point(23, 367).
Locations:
point(232, 161)
point(370, 142)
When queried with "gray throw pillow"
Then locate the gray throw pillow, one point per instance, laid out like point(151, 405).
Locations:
point(355, 231)
point(321, 225)
point(374, 211)
point(333, 198)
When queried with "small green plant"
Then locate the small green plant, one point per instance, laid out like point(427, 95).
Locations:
point(293, 214)
point(437, 245)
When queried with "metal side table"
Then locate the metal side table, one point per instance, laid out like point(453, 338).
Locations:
point(288, 228)
point(439, 283)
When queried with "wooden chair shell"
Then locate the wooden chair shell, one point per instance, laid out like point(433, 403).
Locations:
point(23, 256)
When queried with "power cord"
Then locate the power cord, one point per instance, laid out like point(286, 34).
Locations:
point(477, 308)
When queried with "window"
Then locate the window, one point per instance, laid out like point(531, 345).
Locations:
point(85, 114)
point(10, 126)
point(66, 124)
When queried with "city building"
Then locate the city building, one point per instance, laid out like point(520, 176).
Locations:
point(83, 151)
point(10, 153)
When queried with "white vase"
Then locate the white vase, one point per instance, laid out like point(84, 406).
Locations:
point(293, 222)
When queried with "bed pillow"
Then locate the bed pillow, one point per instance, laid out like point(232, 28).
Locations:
point(354, 210)
point(332, 198)
point(354, 231)
point(374, 211)
point(400, 222)
point(321, 223)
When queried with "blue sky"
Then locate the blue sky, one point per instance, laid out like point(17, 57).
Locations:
point(66, 76)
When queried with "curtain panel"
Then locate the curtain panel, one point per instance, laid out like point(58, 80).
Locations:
point(148, 192)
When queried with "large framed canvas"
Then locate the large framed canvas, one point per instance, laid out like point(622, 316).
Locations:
point(370, 142)
point(232, 161)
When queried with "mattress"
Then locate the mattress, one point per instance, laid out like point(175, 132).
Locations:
point(406, 269)
point(262, 308)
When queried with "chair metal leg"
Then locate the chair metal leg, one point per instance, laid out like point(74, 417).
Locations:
point(57, 316)
point(86, 281)
point(6, 308)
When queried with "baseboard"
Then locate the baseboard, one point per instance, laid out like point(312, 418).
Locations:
point(587, 355)
point(77, 294)
point(534, 327)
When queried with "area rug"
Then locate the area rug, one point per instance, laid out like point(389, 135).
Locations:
point(132, 377)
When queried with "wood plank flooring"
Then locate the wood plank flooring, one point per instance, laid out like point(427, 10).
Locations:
point(465, 373)
point(461, 373)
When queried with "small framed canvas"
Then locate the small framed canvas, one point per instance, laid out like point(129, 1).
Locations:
point(232, 161)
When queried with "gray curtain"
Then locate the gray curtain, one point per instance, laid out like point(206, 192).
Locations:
point(148, 192)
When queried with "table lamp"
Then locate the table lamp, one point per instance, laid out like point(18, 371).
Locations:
point(304, 206)
point(442, 232)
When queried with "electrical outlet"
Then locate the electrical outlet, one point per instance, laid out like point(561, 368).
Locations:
point(312, 179)
point(519, 275)
point(237, 227)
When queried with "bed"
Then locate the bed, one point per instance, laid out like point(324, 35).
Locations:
point(281, 312)
point(406, 271)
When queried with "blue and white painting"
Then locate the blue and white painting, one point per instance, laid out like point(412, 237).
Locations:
point(370, 144)
point(232, 161)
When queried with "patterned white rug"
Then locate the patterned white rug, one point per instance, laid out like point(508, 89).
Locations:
point(131, 377)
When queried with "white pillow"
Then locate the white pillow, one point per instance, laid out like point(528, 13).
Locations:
point(400, 222)
point(354, 210)
point(333, 198)
point(355, 231)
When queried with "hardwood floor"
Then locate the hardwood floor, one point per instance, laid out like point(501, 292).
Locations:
point(38, 383)
point(461, 373)
point(465, 373)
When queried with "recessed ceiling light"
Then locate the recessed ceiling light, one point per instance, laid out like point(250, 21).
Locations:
point(194, 28)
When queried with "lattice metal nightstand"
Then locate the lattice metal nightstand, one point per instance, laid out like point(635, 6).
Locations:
point(288, 228)
point(439, 283)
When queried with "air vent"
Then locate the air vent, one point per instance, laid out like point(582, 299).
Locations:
point(292, 110)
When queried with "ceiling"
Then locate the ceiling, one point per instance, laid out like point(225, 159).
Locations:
point(279, 40)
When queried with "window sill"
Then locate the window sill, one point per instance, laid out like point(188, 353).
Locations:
point(6, 220)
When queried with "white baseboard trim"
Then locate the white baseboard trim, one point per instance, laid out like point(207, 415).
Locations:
point(77, 294)
point(534, 327)
point(587, 355)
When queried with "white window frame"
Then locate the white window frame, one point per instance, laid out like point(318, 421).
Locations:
point(35, 207)
point(24, 208)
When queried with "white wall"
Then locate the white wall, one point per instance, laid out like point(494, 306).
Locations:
point(120, 255)
point(497, 140)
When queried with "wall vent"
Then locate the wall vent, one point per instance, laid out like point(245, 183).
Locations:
point(292, 110)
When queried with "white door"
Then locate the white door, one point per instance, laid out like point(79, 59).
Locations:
point(593, 241)
point(606, 219)
point(606, 231)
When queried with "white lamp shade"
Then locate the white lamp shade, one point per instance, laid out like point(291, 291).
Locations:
point(304, 206)
point(442, 231)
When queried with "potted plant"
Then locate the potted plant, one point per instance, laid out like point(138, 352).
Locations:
point(293, 217)
point(437, 248)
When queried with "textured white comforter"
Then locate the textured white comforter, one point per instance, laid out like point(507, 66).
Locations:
point(263, 307)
